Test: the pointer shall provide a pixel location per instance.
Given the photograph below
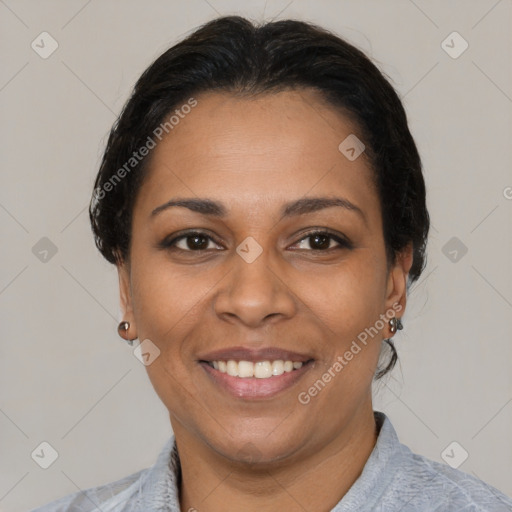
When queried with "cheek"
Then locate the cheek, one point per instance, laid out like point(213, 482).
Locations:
point(169, 307)
point(165, 311)
point(348, 299)
point(162, 297)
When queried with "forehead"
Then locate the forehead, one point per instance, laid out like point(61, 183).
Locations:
point(257, 150)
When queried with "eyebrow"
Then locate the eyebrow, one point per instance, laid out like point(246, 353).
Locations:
point(299, 207)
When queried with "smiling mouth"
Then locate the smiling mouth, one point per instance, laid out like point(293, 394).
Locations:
point(259, 369)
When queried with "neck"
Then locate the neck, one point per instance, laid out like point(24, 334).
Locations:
point(317, 480)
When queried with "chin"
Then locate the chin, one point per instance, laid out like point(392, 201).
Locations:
point(257, 450)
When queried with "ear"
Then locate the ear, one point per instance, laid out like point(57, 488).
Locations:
point(396, 292)
point(125, 296)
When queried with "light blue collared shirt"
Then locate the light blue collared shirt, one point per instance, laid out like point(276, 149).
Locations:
point(394, 479)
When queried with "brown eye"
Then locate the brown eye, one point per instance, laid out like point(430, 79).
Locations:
point(189, 242)
point(196, 242)
point(322, 241)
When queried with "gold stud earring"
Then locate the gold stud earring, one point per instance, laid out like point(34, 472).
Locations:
point(122, 330)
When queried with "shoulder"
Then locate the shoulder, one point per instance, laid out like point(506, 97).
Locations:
point(397, 479)
point(424, 484)
point(139, 492)
point(117, 494)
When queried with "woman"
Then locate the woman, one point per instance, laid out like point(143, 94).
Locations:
point(263, 201)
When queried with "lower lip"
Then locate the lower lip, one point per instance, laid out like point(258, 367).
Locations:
point(252, 387)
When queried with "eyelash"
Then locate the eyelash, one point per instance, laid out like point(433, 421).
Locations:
point(171, 244)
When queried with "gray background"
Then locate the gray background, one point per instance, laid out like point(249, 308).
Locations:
point(65, 376)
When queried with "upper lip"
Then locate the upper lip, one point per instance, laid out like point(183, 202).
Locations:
point(252, 354)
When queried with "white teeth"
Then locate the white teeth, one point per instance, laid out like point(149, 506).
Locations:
point(245, 369)
point(278, 367)
point(259, 369)
point(262, 369)
point(232, 368)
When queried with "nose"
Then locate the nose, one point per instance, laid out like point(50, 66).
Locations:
point(254, 293)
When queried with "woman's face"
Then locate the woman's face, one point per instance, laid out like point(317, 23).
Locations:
point(258, 278)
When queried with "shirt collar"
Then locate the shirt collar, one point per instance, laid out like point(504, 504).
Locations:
point(159, 490)
point(377, 473)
